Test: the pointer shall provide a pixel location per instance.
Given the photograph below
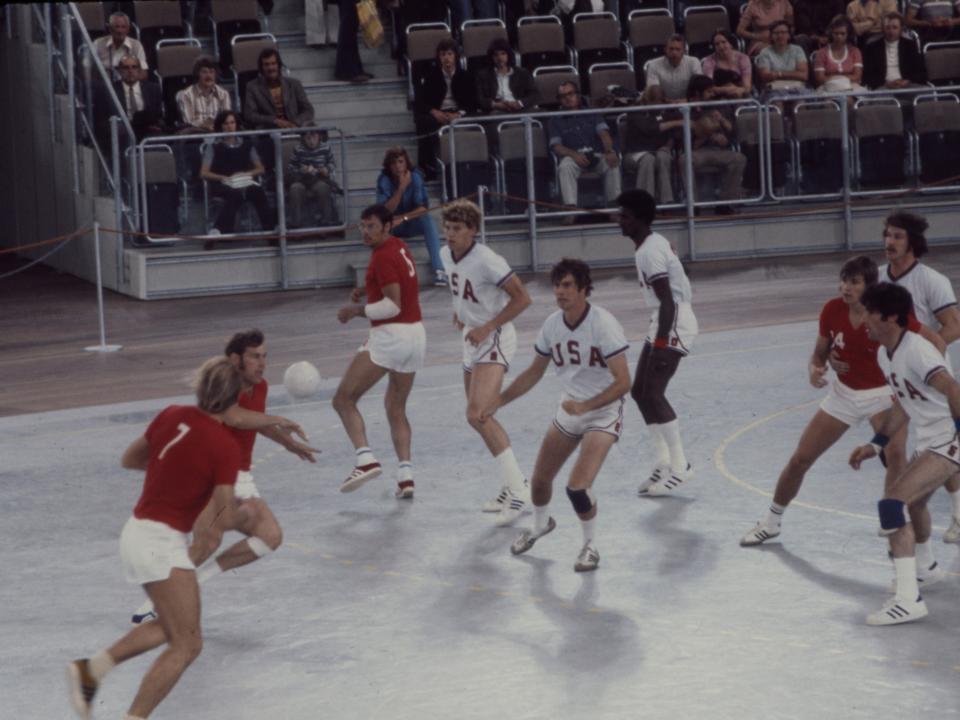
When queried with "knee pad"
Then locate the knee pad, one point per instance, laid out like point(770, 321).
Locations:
point(582, 500)
point(893, 515)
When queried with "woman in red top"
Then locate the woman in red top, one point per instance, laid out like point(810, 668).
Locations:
point(857, 394)
point(190, 459)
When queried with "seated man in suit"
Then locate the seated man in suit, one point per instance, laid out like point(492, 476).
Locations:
point(142, 100)
point(893, 62)
point(503, 87)
point(447, 93)
point(274, 101)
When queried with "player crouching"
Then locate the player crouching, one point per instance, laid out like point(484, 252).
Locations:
point(588, 349)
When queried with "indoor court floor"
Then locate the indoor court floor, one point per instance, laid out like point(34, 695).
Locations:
point(376, 608)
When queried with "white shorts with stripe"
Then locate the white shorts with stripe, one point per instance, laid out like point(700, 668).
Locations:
point(852, 407)
point(497, 349)
point(400, 347)
point(944, 445)
point(150, 550)
point(245, 488)
point(608, 419)
point(683, 332)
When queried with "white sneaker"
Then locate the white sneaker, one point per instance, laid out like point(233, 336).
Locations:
point(587, 560)
point(529, 537)
point(658, 472)
point(144, 613)
point(404, 490)
point(667, 485)
point(513, 507)
point(952, 535)
point(760, 534)
point(496, 505)
point(897, 612)
point(359, 475)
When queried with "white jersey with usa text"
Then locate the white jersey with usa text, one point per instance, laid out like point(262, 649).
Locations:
point(931, 291)
point(580, 353)
point(914, 362)
point(655, 259)
point(476, 283)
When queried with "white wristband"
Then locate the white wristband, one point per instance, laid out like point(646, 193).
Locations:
point(381, 310)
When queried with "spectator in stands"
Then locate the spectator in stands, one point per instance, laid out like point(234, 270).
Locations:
point(713, 152)
point(782, 66)
point(200, 103)
point(447, 93)
point(669, 76)
point(648, 141)
point(401, 189)
point(583, 143)
point(811, 18)
point(894, 63)
point(349, 67)
point(839, 66)
point(503, 87)
point(142, 100)
point(935, 20)
point(112, 48)
point(758, 18)
point(866, 16)
point(311, 173)
point(275, 101)
point(231, 166)
point(730, 69)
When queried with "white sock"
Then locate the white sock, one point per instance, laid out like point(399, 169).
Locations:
point(661, 451)
point(101, 664)
point(588, 529)
point(406, 470)
point(955, 501)
point(774, 515)
point(510, 472)
point(907, 587)
point(211, 568)
point(541, 514)
point(671, 435)
point(924, 555)
point(364, 456)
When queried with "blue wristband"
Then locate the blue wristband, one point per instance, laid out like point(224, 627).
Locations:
point(880, 440)
point(956, 423)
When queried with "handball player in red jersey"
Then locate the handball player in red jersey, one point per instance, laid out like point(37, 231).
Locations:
point(396, 347)
point(191, 460)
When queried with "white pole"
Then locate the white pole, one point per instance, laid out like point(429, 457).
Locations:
point(102, 347)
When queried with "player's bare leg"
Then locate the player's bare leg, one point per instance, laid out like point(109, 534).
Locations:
point(362, 374)
point(395, 402)
point(924, 475)
point(593, 451)
point(555, 449)
point(482, 387)
point(264, 536)
point(818, 436)
point(952, 535)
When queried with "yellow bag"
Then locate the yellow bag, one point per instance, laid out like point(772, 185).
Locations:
point(370, 24)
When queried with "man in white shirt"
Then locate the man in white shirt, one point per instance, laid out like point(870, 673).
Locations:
point(668, 76)
point(112, 48)
point(200, 103)
point(894, 62)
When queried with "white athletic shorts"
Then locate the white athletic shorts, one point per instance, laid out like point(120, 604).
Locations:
point(245, 488)
point(945, 444)
point(497, 349)
point(852, 407)
point(150, 550)
point(608, 419)
point(683, 332)
point(400, 347)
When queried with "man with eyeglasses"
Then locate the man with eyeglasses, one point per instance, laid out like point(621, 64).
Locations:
point(584, 144)
point(142, 100)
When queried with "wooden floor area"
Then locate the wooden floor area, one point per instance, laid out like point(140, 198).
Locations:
point(51, 317)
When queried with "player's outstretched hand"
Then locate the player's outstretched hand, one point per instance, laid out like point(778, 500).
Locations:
point(859, 454)
point(572, 407)
point(839, 367)
point(290, 427)
point(817, 375)
point(347, 313)
point(301, 450)
point(478, 334)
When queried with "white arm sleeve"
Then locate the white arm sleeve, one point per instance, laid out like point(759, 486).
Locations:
point(381, 310)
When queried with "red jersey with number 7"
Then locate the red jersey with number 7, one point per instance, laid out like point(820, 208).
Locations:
point(391, 262)
point(190, 453)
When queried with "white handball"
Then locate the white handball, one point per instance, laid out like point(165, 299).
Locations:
point(302, 380)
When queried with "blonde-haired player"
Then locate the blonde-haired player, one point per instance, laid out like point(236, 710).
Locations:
point(487, 296)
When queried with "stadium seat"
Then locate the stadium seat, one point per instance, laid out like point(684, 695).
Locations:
point(818, 145)
point(474, 166)
point(936, 136)
point(94, 20)
point(246, 51)
point(596, 39)
point(602, 75)
point(422, 41)
point(158, 20)
point(548, 79)
point(700, 23)
point(174, 71)
point(942, 60)
point(477, 36)
point(540, 42)
point(162, 188)
point(512, 162)
point(750, 143)
point(647, 34)
point(879, 145)
point(229, 18)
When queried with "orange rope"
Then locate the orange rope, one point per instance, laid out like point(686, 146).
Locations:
point(42, 243)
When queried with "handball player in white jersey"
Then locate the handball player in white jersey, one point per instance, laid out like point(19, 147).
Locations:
point(588, 349)
point(935, 305)
point(926, 393)
point(673, 328)
point(487, 296)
